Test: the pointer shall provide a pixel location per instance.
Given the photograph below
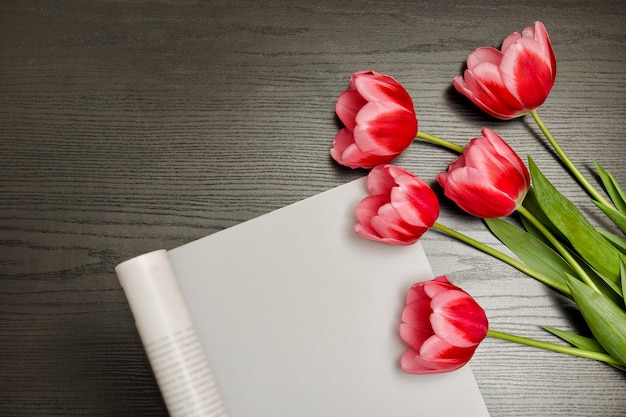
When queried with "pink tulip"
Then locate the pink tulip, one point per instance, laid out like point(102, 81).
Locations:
point(513, 81)
point(379, 121)
point(443, 326)
point(488, 180)
point(400, 208)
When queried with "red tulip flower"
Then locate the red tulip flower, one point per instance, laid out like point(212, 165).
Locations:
point(379, 121)
point(443, 326)
point(513, 81)
point(400, 208)
point(488, 180)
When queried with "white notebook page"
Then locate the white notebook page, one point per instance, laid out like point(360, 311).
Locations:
point(299, 317)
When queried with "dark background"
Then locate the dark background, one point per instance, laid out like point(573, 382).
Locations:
point(128, 126)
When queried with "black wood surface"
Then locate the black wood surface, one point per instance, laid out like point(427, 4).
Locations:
point(128, 126)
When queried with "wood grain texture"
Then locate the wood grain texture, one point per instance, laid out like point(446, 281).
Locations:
point(127, 126)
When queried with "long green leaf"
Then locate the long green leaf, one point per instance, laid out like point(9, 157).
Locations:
point(611, 289)
point(612, 188)
point(606, 320)
point(622, 271)
point(581, 342)
point(616, 217)
point(582, 236)
point(531, 250)
point(532, 205)
point(618, 241)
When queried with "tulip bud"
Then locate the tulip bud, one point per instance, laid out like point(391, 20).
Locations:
point(400, 208)
point(379, 121)
point(443, 325)
point(514, 80)
point(488, 180)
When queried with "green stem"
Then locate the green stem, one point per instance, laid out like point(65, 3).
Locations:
point(559, 286)
point(441, 142)
point(568, 162)
point(570, 350)
point(559, 247)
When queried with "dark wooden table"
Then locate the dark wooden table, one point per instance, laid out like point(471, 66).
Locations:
point(131, 126)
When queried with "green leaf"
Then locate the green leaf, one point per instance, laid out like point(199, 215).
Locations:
point(606, 320)
point(583, 237)
point(531, 250)
point(622, 271)
point(531, 204)
point(616, 217)
point(581, 342)
point(612, 188)
point(618, 242)
point(603, 283)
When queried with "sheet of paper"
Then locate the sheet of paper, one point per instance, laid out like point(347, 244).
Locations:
point(176, 354)
point(299, 317)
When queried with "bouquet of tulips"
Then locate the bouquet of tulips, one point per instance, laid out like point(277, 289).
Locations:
point(552, 240)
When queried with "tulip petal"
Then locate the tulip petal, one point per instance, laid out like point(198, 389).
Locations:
point(383, 88)
point(510, 40)
point(539, 33)
point(381, 179)
point(484, 86)
point(469, 190)
point(411, 362)
point(459, 161)
point(384, 128)
point(484, 54)
point(343, 139)
point(437, 286)
point(415, 201)
point(347, 153)
point(526, 73)
point(375, 227)
point(505, 151)
point(348, 105)
point(418, 313)
point(500, 170)
point(416, 334)
point(368, 206)
point(428, 289)
point(367, 209)
point(458, 319)
point(437, 348)
point(389, 224)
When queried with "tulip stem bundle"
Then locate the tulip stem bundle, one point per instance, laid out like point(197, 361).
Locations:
point(568, 162)
point(557, 261)
point(570, 350)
